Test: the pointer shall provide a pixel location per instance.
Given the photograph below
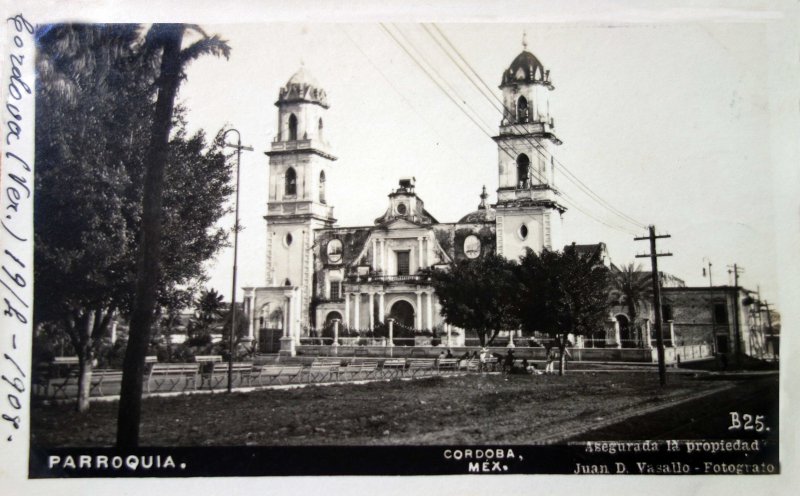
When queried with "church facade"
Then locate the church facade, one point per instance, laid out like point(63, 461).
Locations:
point(319, 272)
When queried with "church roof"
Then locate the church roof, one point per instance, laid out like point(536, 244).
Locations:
point(483, 214)
point(480, 216)
point(302, 87)
point(303, 77)
point(525, 68)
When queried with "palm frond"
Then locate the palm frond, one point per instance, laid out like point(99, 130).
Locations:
point(213, 45)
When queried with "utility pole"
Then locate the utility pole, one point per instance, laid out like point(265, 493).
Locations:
point(653, 255)
point(735, 270)
point(710, 281)
point(766, 305)
point(239, 149)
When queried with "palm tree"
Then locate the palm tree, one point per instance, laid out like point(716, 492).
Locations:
point(632, 287)
point(165, 39)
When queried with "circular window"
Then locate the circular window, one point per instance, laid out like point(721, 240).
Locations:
point(334, 251)
point(401, 208)
point(472, 246)
point(523, 232)
point(287, 240)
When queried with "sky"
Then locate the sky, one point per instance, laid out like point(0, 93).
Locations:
point(668, 122)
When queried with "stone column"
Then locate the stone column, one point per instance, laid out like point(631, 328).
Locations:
point(390, 322)
point(371, 311)
point(383, 257)
point(648, 342)
point(347, 309)
point(430, 310)
point(356, 304)
point(612, 333)
point(335, 333)
point(671, 325)
point(249, 302)
point(447, 328)
point(287, 341)
point(418, 319)
point(419, 260)
point(381, 312)
point(298, 314)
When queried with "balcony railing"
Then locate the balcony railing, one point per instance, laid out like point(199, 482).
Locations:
point(388, 278)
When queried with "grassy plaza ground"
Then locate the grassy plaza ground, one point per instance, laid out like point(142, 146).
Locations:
point(465, 409)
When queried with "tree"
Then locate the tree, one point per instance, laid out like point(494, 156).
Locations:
point(84, 100)
point(561, 293)
point(478, 295)
point(209, 309)
point(94, 109)
point(632, 287)
point(167, 39)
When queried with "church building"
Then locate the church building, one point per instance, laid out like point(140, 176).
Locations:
point(319, 272)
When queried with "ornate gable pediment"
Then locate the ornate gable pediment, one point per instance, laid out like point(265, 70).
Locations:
point(401, 224)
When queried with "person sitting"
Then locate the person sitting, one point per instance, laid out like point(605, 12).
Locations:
point(449, 354)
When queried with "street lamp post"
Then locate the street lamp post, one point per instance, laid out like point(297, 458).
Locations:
point(239, 149)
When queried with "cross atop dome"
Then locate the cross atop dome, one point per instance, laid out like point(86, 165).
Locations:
point(483, 197)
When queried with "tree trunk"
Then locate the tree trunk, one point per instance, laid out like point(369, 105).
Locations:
point(129, 414)
point(85, 358)
point(562, 356)
point(83, 348)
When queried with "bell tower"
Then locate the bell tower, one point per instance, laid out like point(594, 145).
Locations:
point(528, 207)
point(299, 168)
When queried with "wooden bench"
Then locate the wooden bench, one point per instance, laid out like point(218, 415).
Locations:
point(62, 381)
point(219, 373)
point(421, 366)
point(104, 376)
point(394, 367)
point(207, 358)
point(273, 373)
point(448, 364)
point(324, 367)
point(368, 367)
point(470, 364)
point(173, 374)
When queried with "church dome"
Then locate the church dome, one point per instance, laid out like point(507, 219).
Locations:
point(480, 216)
point(303, 77)
point(302, 87)
point(484, 214)
point(525, 68)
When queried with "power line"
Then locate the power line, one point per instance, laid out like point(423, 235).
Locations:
point(396, 90)
point(505, 110)
point(567, 198)
point(427, 72)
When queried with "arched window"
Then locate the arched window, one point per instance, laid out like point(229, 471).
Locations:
point(292, 128)
point(522, 110)
point(322, 187)
point(320, 128)
point(523, 168)
point(291, 182)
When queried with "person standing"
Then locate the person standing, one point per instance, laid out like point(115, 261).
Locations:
point(508, 363)
point(552, 356)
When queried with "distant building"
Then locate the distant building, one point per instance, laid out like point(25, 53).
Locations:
point(318, 272)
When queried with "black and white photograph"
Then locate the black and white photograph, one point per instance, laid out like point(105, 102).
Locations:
point(507, 247)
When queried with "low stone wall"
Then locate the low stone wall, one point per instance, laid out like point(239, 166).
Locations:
point(637, 355)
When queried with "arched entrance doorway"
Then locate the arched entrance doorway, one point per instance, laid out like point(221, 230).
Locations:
point(403, 313)
point(327, 329)
point(627, 339)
